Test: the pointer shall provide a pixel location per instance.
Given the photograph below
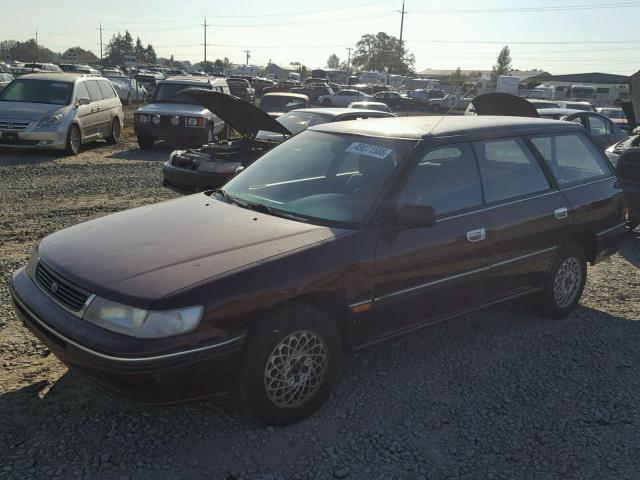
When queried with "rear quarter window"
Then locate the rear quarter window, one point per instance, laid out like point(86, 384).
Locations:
point(572, 158)
point(107, 89)
point(94, 90)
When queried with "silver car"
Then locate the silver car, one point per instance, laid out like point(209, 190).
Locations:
point(59, 111)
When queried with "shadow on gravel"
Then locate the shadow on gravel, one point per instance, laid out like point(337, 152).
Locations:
point(160, 152)
point(501, 392)
point(630, 249)
point(18, 156)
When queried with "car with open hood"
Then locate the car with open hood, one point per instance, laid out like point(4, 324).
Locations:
point(345, 235)
point(625, 155)
point(176, 118)
point(213, 164)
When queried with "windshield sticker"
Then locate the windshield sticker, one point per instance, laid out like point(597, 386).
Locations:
point(369, 150)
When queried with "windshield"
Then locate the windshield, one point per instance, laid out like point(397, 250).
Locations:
point(168, 93)
point(38, 91)
point(296, 122)
point(320, 177)
point(280, 103)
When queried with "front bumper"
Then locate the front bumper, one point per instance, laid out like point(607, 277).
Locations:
point(187, 181)
point(46, 139)
point(179, 135)
point(161, 378)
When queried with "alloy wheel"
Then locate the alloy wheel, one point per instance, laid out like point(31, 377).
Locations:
point(566, 283)
point(295, 369)
point(74, 139)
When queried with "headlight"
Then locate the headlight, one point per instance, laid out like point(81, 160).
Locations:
point(155, 119)
point(195, 122)
point(50, 121)
point(167, 323)
point(140, 323)
point(142, 118)
point(175, 120)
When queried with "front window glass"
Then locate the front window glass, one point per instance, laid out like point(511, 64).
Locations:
point(446, 178)
point(508, 170)
point(598, 126)
point(169, 93)
point(280, 103)
point(38, 91)
point(571, 158)
point(320, 177)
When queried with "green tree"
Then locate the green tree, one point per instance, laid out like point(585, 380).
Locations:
point(382, 53)
point(456, 78)
point(503, 63)
point(139, 51)
point(150, 54)
point(333, 61)
point(119, 46)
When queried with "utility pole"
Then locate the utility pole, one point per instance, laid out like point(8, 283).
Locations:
point(36, 59)
point(101, 61)
point(248, 56)
point(401, 28)
point(205, 40)
point(349, 64)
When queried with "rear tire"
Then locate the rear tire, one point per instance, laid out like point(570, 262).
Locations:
point(145, 142)
point(290, 364)
point(565, 282)
point(114, 138)
point(74, 140)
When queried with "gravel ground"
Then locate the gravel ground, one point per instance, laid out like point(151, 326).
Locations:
point(501, 393)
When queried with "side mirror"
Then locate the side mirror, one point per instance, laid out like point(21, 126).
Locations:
point(239, 169)
point(414, 216)
point(84, 101)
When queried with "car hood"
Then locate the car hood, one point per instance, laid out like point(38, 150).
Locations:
point(240, 114)
point(503, 104)
point(27, 111)
point(632, 109)
point(169, 108)
point(142, 255)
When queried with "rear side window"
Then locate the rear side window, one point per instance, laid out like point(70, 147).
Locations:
point(599, 125)
point(571, 158)
point(81, 91)
point(106, 89)
point(508, 170)
point(446, 178)
point(94, 90)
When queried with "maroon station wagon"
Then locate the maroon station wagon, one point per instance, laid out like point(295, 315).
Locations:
point(343, 236)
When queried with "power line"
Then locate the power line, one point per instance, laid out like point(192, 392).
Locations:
point(545, 9)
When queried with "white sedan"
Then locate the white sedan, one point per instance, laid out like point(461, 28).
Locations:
point(343, 98)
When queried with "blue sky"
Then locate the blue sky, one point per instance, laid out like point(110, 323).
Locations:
point(441, 34)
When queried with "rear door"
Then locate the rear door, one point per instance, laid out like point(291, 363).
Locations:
point(98, 115)
point(109, 105)
point(424, 274)
point(527, 217)
point(586, 180)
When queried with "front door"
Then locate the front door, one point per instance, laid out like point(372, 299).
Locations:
point(424, 274)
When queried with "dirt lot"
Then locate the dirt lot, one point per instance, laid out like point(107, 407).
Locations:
point(501, 393)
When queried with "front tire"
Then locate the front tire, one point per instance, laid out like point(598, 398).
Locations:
point(290, 364)
point(114, 138)
point(74, 140)
point(565, 282)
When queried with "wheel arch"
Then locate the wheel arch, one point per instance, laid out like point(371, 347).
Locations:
point(588, 240)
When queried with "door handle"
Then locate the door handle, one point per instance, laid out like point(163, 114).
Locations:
point(476, 235)
point(561, 213)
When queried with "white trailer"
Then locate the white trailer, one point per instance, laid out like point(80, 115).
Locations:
point(508, 84)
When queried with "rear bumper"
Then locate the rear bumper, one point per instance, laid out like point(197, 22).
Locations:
point(609, 241)
point(163, 378)
point(186, 181)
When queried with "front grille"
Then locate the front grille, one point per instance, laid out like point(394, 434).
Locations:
point(62, 290)
point(14, 125)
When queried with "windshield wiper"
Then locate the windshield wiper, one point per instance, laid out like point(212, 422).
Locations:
point(261, 208)
point(232, 199)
